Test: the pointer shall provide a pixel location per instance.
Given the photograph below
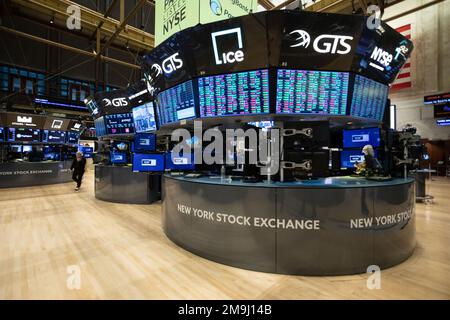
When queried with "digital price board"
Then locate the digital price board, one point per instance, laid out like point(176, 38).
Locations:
point(241, 93)
point(369, 99)
point(177, 103)
point(312, 92)
point(121, 123)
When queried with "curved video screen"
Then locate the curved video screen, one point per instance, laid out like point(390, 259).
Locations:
point(369, 99)
point(312, 92)
point(241, 93)
point(177, 103)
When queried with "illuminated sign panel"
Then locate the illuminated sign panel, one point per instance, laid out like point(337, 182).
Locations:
point(234, 94)
point(312, 92)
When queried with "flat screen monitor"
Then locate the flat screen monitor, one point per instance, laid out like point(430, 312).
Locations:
point(2, 134)
point(121, 123)
point(443, 122)
point(73, 137)
point(244, 93)
point(362, 137)
point(145, 142)
point(177, 103)
point(263, 124)
point(118, 158)
point(144, 118)
point(148, 162)
point(27, 148)
point(51, 136)
point(349, 158)
point(319, 134)
point(16, 148)
point(24, 135)
point(100, 129)
point(180, 162)
point(312, 92)
point(369, 99)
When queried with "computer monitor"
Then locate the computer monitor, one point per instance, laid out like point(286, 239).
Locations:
point(144, 118)
point(319, 163)
point(16, 148)
point(181, 163)
point(349, 158)
point(148, 162)
point(51, 136)
point(72, 137)
point(118, 158)
point(145, 142)
point(27, 148)
point(309, 134)
point(362, 137)
point(24, 135)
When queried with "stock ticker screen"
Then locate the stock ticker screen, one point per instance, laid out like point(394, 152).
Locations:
point(177, 103)
point(369, 99)
point(241, 93)
point(312, 92)
point(121, 123)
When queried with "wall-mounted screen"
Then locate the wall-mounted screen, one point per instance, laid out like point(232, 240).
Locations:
point(121, 123)
point(72, 137)
point(312, 92)
point(100, 129)
point(148, 162)
point(362, 137)
point(118, 158)
point(2, 134)
point(369, 99)
point(234, 94)
point(51, 136)
point(24, 135)
point(183, 163)
point(145, 142)
point(177, 103)
point(144, 118)
point(349, 158)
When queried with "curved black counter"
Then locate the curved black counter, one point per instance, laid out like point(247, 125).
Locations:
point(331, 226)
point(27, 174)
point(122, 185)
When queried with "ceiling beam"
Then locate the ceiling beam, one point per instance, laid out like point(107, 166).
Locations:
point(283, 4)
point(66, 47)
point(267, 4)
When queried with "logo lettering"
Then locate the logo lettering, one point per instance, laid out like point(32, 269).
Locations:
point(326, 43)
point(381, 56)
point(169, 65)
point(24, 119)
point(119, 102)
point(228, 57)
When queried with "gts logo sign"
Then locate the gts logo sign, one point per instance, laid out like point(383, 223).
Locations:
point(382, 57)
point(119, 102)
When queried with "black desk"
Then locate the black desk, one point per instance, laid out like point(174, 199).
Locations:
point(331, 226)
point(121, 185)
point(26, 174)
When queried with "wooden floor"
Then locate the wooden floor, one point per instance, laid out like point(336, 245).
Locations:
point(122, 253)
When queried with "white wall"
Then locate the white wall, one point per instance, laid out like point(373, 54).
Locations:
point(430, 64)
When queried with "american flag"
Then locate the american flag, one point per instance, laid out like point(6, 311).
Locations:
point(403, 80)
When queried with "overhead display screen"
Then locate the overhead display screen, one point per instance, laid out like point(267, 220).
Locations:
point(177, 103)
point(369, 99)
point(242, 93)
point(121, 123)
point(144, 118)
point(312, 92)
point(24, 135)
point(51, 136)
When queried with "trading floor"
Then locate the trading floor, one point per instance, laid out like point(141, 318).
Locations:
point(122, 253)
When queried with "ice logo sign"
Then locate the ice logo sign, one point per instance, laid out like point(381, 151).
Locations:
point(216, 7)
point(325, 43)
point(231, 56)
point(57, 124)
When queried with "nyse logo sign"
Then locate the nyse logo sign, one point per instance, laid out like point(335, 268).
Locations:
point(382, 57)
point(169, 65)
point(326, 43)
point(231, 56)
point(24, 119)
point(119, 102)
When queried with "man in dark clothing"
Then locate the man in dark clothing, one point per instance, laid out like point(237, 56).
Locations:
point(78, 167)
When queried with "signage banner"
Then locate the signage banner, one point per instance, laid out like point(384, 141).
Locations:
point(75, 126)
point(437, 98)
point(19, 120)
point(113, 102)
point(56, 124)
point(215, 10)
point(172, 16)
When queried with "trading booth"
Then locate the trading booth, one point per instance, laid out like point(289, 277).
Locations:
point(36, 150)
point(311, 89)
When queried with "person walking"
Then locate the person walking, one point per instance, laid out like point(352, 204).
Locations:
point(78, 167)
